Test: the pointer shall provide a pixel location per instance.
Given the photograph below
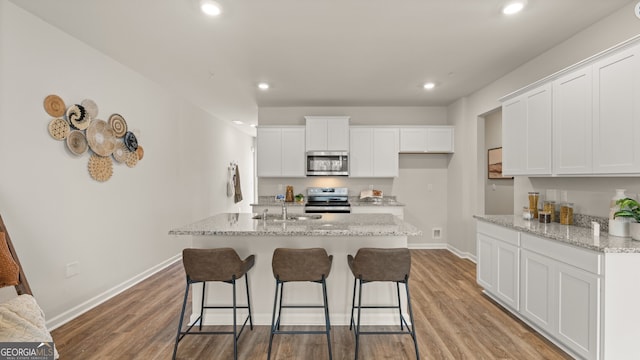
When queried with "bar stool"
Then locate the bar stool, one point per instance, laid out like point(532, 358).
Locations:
point(224, 265)
point(291, 265)
point(392, 265)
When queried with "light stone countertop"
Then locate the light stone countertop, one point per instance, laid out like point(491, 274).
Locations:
point(568, 234)
point(242, 224)
point(385, 201)
point(353, 200)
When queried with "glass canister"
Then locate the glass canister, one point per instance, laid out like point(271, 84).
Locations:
point(550, 206)
point(534, 196)
point(566, 213)
point(544, 216)
point(526, 213)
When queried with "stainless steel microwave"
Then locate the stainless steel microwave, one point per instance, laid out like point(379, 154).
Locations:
point(327, 163)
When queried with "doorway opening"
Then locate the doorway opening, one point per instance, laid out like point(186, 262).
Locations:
point(498, 190)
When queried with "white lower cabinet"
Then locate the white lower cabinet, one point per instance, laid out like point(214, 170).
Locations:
point(578, 310)
point(538, 283)
point(498, 263)
point(562, 299)
point(554, 286)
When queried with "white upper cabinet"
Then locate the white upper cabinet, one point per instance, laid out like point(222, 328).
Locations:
point(428, 139)
point(616, 113)
point(281, 151)
point(373, 152)
point(590, 111)
point(572, 123)
point(327, 133)
point(514, 136)
point(526, 133)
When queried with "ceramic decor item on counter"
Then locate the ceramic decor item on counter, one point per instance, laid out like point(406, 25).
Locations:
point(289, 194)
point(618, 226)
point(629, 211)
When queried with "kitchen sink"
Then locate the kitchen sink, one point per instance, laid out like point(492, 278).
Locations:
point(278, 217)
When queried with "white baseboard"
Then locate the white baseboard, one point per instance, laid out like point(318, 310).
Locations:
point(452, 249)
point(427, 246)
point(78, 310)
point(461, 254)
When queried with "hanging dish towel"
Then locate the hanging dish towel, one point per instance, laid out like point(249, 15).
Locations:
point(230, 175)
point(236, 182)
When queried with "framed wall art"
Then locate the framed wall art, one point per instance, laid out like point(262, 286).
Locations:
point(494, 170)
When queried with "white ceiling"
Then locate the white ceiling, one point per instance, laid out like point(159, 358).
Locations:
point(320, 52)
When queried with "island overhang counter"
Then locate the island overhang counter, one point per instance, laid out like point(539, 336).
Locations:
point(339, 234)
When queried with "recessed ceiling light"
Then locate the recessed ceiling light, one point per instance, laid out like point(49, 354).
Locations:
point(263, 86)
point(253, 125)
point(429, 85)
point(513, 7)
point(237, 122)
point(210, 8)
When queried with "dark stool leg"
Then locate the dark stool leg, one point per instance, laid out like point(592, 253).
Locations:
point(326, 316)
point(273, 319)
point(399, 306)
point(246, 281)
point(413, 324)
point(280, 306)
point(184, 306)
point(353, 302)
point(359, 313)
point(235, 329)
point(204, 290)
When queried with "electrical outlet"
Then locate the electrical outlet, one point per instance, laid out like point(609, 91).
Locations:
point(72, 269)
point(436, 233)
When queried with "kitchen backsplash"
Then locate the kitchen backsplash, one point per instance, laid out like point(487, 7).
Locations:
point(272, 186)
point(590, 196)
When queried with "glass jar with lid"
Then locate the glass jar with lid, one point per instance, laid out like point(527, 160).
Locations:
point(566, 213)
point(550, 206)
point(534, 196)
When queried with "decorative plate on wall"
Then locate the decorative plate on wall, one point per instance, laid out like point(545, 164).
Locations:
point(100, 167)
point(91, 108)
point(54, 105)
point(101, 138)
point(77, 142)
point(59, 129)
point(131, 141)
point(77, 116)
point(118, 124)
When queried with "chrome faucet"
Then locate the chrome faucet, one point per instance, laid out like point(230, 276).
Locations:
point(284, 210)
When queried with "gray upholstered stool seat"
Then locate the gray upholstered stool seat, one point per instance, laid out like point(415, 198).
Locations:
point(371, 264)
point(291, 265)
point(224, 265)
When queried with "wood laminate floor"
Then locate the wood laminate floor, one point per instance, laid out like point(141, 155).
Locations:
point(453, 321)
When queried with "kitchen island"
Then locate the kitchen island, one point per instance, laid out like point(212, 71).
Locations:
point(339, 234)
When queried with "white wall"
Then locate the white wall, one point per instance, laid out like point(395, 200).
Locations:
point(464, 113)
point(55, 212)
point(360, 115)
point(498, 193)
point(424, 209)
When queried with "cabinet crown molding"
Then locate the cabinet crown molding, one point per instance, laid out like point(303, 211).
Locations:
point(620, 46)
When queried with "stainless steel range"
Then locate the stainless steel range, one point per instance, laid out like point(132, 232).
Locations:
point(327, 200)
